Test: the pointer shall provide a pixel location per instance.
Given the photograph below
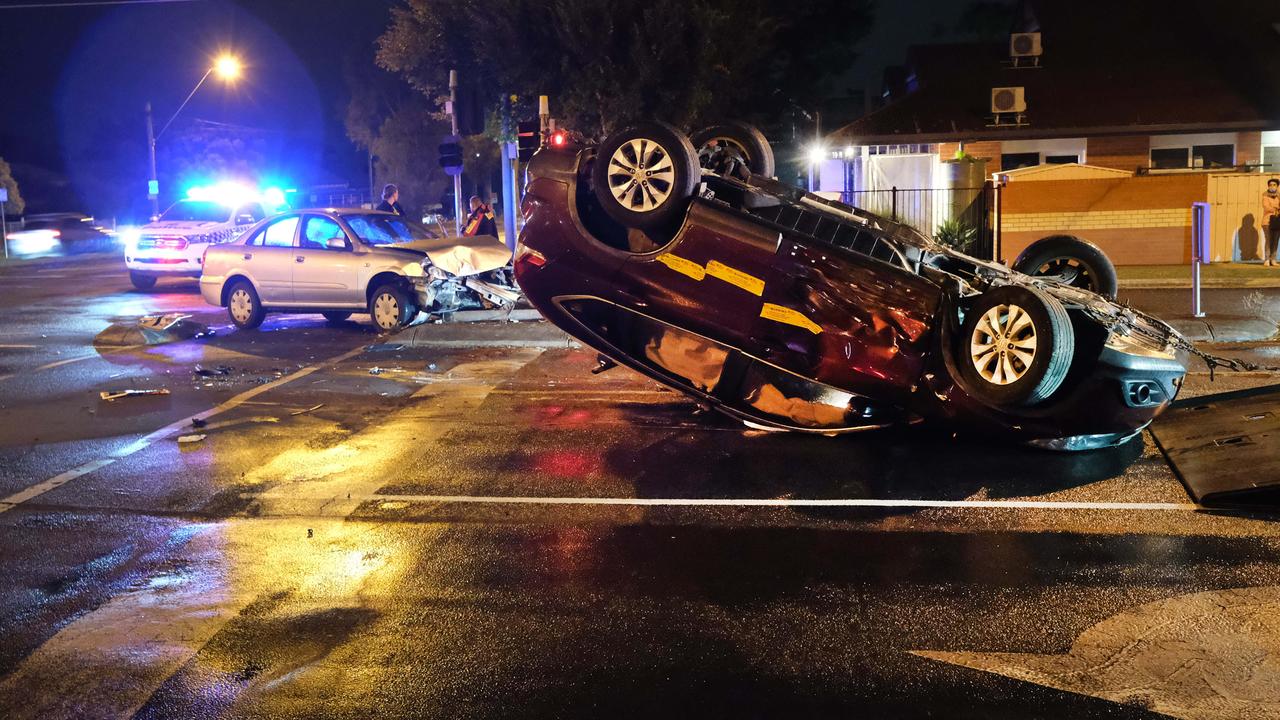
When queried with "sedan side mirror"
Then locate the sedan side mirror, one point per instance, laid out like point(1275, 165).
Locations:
point(336, 243)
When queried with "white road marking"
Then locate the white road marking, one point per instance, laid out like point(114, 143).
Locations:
point(18, 347)
point(147, 440)
point(765, 502)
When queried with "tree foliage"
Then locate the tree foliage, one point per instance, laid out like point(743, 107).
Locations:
point(15, 203)
point(604, 63)
point(401, 129)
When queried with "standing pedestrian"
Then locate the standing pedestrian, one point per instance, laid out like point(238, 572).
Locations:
point(481, 220)
point(391, 200)
point(1271, 219)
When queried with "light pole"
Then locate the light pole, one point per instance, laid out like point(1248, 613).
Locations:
point(228, 68)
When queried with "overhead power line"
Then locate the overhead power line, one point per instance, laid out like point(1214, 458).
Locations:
point(88, 3)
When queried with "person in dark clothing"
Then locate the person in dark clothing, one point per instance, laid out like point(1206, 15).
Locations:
point(391, 200)
point(480, 221)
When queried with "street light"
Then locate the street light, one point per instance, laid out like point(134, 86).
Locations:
point(228, 68)
point(817, 154)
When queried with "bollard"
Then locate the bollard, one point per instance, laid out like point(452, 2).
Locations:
point(1199, 251)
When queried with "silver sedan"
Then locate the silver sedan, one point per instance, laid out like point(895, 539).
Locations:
point(338, 262)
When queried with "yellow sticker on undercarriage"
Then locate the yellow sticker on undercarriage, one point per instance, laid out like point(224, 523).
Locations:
point(682, 266)
point(781, 314)
point(750, 283)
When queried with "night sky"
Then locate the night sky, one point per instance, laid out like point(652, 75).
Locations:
point(74, 81)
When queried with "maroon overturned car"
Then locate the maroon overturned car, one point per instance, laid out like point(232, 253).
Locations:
point(691, 265)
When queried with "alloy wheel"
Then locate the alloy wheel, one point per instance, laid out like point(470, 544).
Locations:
point(641, 175)
point(1003, 344)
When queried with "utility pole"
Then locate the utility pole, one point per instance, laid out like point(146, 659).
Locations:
point(153, 187)
point(510, 158)
point(4, 229)
point(372, 190)
point(457, 179)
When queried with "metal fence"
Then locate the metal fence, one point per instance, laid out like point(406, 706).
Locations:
point(927, 209)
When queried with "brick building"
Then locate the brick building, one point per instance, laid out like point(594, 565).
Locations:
point(1108, 120)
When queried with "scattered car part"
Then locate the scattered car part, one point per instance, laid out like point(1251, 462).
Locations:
point(110, 395)
point(1071, 261)
point(185, 439)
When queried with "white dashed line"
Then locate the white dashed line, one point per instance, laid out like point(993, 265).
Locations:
point(778, 502)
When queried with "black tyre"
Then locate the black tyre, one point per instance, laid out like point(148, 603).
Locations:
point(142, 281)
point(1016, 346)
point(336, 317)
point(644, 175)
point(1071, 261)
point(725, 148)
point(243, 305)
point(391, 308)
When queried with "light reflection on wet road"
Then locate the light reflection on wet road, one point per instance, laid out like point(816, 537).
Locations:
point(305, 561)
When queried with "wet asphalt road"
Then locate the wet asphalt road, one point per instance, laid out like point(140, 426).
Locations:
point(495, 532)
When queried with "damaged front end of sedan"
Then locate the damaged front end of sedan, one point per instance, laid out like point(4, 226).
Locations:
point(789, 311)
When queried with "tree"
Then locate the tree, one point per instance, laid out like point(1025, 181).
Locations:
point(15, 203)
point(684, 61)
point(401, 129)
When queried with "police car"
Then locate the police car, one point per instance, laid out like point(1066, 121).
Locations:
point(174, 244)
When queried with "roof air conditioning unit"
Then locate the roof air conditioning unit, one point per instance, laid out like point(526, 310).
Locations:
point(1025, 45)
point(1008, 100)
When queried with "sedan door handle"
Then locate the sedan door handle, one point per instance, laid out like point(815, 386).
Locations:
point(299, 259)
point(248, 256)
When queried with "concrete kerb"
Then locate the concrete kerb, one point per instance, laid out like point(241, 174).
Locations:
point(1223, 329)
point(1214, 284)
point(538, 334)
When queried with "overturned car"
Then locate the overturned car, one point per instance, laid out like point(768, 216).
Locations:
point(792, 312)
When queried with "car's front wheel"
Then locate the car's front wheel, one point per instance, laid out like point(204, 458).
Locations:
point(734, 147)
point(391, 308)
point(644, 175)
point(142, 281)
point(244, 307)
point(1017, 345)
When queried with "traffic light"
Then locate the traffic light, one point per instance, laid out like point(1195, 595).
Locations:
point(528, 138)
point(451, 154)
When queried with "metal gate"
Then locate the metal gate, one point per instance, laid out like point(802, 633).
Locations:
point(926, 209)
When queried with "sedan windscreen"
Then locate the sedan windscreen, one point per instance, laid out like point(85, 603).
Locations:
point(387, 229)
point(197, 211)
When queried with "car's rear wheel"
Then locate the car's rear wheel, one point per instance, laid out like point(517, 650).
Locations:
point(336, 317)
point(1070, 261)
point(142, 281)
point(391, 308)
point(727, 147)
point(1017, 345)
point(244, 307)
point(644, 175)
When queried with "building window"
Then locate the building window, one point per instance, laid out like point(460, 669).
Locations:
point(1170, 158)
point(1196, 156)
point(1013, 161)
point(1213, 156)
point(1061, 159)
point(1271, 159)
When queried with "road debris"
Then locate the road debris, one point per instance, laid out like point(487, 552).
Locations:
point(198, 422)
point(207, 372)
point(191, 438)
point(304, 412)
point(110, 395)
point(375, 370)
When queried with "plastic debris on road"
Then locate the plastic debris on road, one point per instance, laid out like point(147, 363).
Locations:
point(110, 395)
point(304, 412)
point(191, 438)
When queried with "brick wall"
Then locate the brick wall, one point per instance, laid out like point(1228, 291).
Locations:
point(1123, 152)
point(1249, 148)
point(1137, 220)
